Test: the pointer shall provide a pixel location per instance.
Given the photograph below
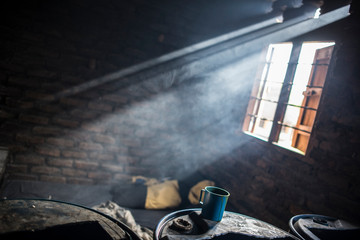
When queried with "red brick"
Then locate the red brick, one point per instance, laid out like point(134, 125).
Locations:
point(100, 106)
point(45, 170)
point(90, 146)
point(61, 142)
point(102, 156)
point(99, 175)
point(60, 162)
point(123, 130)
point(73, 172)
point(5, 114)
point(116, 149)
point(29, 139)
point(127, 159)
point(115, 98)
point(56, 179)
point(34, 119)
point(84, 114)
point(42, 73)
point(77, 180)
point(104, 139)
point(130, 142)
point(66, 122)
point(122, 177)
point(93, 127)
point(47, 130)
point(86, 165)
point(73, 102)
point(40, 96)
point(29, 159)
point(74, 154)
point(19, 103)
point(21, 176)
point(48, 108)
point(112, 167)
point(16, 168)
point(54, 152)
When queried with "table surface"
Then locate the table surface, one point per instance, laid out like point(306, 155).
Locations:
point(231, 223)
point(36, 215)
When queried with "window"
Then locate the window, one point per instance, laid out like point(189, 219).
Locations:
point(286, 93)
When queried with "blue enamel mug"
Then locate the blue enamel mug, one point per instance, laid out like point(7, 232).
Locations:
point(213, 201)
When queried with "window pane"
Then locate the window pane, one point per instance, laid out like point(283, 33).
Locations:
point(269, 89)
point(291, 115)
point(263, 122)
point(272, 91)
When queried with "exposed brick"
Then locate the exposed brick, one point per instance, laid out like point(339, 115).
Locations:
point(93, 127)
point(40, 96)
point(113, 167)
point(42, 73)
point(73, 154)
point(60, 142)
point(47, 130)
point(34, 119)
point(99, 175)
point(60, 162)
point(85, 165)
point(66, 122)
point(101, 156)
point(90, 146)
point(21, 176)
point(127, 159)
point(29, 159)
point(100, 106)
point(78, 180)
point(122, 130)
point(116, 149)
point(73, 102)
point(56, 179)
point(84, 114)
point(130, 142)
point(54, 152)
point(29, 139)
point(45, 170)
point(6, 114)
point(122, 177)
point(104, 139)
point(115, 98)
point(73, 172)
point(16, 168)
point(19, 103)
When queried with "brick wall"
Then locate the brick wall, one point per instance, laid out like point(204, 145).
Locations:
point(66, 118)
point(64, 122)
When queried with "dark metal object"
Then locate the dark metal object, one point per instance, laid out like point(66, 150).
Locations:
point(316, 227)
point(46, 216)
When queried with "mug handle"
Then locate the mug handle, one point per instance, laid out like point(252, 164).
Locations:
point(201, 193)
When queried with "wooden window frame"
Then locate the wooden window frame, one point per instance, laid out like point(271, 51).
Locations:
point(283, 101)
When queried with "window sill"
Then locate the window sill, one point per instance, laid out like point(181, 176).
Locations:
point(289, 148)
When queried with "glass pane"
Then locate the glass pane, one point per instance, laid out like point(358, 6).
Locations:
point(263, 122)
point(296, 94)
point(291, 116)
point(272, 91)
point(285, 137)
point(262, 128)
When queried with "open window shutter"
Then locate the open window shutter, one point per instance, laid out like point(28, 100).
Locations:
point(311, 98)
